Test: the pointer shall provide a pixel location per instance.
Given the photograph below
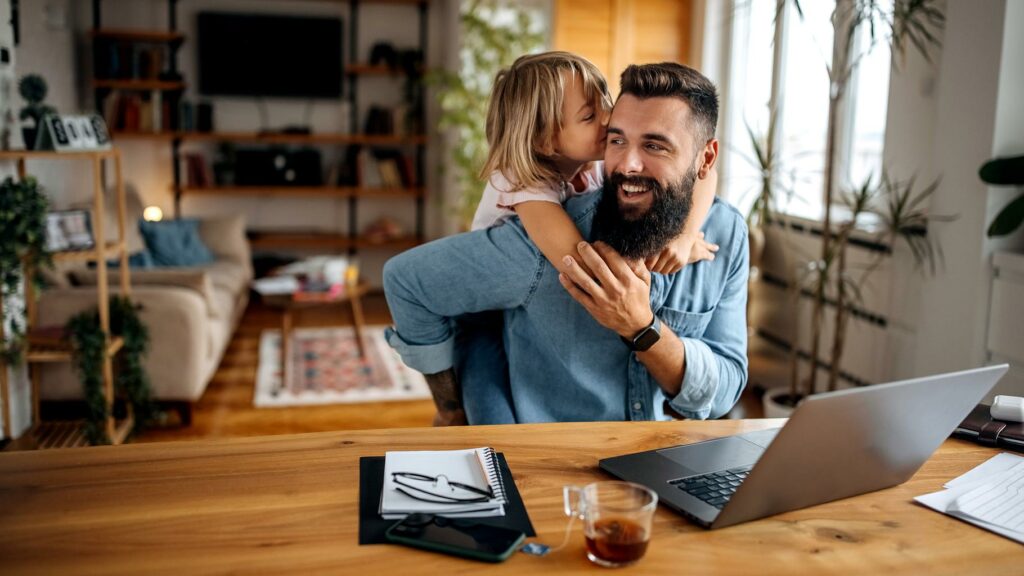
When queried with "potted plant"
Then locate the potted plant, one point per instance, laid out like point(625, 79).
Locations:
point(1005, 172)
point(33, 90)
point(902, 23)
point(132, 382)
point(23, 209)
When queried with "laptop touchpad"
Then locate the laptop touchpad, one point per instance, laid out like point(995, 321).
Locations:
point(715, 455)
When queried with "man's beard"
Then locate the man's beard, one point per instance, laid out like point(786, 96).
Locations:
point(641, 236)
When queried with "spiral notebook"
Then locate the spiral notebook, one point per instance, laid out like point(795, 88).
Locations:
point(477, 467)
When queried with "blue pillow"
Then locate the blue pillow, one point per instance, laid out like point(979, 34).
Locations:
point(140, 259)
point(175, 243)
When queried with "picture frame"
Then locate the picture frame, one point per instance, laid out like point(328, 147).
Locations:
point(69, 230)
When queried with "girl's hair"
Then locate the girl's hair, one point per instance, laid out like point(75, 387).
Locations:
point(525, 111)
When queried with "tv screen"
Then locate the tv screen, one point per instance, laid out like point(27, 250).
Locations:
point(269, 55)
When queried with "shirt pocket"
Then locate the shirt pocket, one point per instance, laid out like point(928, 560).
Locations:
point(686, 324)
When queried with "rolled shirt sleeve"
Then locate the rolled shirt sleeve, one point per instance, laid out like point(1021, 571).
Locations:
point(716, 362)
point(427, 286)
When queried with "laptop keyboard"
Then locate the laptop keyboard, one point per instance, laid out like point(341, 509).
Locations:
point(715, 488)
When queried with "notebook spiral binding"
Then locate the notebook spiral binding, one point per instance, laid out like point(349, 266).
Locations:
point(494, 474)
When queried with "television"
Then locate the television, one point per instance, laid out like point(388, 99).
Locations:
point(269, 55)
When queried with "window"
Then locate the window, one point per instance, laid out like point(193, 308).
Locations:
point(783, 66)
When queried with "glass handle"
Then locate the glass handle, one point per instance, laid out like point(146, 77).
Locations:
point(572, 497)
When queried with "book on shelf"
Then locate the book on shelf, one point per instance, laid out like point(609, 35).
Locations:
point(134, 112)
point(130, 60)
point(197, 171)
point(407, 170)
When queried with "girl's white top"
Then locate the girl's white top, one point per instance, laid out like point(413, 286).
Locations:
point(498, 199)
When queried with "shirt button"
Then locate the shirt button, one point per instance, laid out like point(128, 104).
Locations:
point(637, 406)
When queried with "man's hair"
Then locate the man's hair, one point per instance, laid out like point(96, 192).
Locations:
point(671, 80)
point(525, 113)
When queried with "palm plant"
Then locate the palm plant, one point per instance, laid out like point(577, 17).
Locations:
point(904, 220)
point(900, 24)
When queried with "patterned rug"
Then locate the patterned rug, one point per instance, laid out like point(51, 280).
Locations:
point(327, 369)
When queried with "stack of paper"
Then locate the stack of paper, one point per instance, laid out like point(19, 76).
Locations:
point(990, 496)
point(476, 467)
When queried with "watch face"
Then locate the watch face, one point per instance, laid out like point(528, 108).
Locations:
point(646, 339)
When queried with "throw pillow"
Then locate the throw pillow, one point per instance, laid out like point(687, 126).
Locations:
point(140, 259)
point(175, 243)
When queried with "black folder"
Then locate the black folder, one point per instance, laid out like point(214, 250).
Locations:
point(371, 482)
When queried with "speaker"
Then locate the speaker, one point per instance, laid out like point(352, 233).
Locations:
point(204, 117)
point(278, 167)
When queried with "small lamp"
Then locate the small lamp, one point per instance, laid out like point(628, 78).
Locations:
point(152, 214)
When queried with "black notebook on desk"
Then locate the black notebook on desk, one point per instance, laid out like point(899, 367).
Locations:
point(371, 482)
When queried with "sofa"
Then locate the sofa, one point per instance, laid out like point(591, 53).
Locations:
point(191, 314)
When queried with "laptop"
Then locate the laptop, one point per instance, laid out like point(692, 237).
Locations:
point(835, 445)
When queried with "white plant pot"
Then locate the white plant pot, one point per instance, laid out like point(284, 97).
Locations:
point(772, 407)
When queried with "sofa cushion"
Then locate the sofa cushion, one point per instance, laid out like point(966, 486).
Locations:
point(226, 239)
point(190, 278)
point(228, 276)
point(175, 243)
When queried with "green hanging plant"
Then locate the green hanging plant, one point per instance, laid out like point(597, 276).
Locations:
point(131, 379)
point(23, 208)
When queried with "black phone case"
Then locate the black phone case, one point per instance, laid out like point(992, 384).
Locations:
point(397, 538)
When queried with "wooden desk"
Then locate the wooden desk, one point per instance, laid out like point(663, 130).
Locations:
point(288, 504)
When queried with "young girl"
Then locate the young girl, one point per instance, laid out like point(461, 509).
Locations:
point(546, 132)
point(546, 124)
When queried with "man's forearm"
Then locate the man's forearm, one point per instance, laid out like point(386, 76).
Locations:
point(447, 394)
point(666, 361)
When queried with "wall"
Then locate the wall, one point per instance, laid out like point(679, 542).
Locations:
point(978, 117)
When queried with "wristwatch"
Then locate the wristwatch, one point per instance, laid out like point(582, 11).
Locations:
point(646, 338)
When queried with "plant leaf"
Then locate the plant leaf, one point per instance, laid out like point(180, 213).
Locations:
point(1009, 219)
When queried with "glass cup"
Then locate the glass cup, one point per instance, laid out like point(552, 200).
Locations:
point(616, 520)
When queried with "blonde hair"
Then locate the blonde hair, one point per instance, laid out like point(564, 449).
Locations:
point(525, 112)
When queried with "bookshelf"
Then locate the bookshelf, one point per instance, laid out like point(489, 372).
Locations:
point(42, 346)
point(168, 89)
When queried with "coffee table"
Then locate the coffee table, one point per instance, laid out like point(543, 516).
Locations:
point(289, 305)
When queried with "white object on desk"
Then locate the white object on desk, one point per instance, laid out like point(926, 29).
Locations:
point(990, 496)
point(476, 467)
point(272, 285)
point(1008, 408)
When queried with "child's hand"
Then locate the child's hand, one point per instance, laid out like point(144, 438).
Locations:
point(685, 249)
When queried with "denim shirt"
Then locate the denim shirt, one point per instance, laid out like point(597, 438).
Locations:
point(563, 365)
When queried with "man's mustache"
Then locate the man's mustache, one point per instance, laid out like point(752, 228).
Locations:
point(618, 179)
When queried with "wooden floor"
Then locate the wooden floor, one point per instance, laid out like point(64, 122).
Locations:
point(226, 408)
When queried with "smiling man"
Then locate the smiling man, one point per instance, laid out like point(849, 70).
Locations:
point(617, 344)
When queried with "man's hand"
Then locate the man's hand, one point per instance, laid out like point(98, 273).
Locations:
point(619, 294)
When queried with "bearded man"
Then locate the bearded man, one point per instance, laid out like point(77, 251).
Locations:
point(619, 343)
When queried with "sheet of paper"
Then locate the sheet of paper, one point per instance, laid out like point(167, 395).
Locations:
point(979, 480)
point(998, 501)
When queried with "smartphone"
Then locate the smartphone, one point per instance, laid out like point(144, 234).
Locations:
point(459, 536)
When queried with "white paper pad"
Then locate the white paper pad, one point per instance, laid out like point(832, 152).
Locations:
point(990, 496)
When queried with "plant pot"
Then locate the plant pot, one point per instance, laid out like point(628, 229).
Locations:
point(29, 136)
point(778, 404)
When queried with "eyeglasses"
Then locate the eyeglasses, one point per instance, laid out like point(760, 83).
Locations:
point(431, 489)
